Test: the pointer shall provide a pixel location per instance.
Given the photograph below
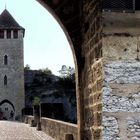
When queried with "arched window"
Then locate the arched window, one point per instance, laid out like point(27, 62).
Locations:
point(5, 60)
point(5, 80)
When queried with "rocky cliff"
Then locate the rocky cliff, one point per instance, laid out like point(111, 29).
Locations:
point(53, 91)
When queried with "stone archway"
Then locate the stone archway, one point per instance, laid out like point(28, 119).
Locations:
point(7, 107)
point(82, 24)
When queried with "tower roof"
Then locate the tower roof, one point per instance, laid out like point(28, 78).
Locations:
point(8, 22)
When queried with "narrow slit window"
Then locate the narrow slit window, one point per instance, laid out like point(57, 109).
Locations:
point(5, 60)
point(15, 33)
point(8, 33)
point(1, 33)
point(5, 80)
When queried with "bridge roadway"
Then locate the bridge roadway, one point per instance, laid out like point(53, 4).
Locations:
point(20, 131)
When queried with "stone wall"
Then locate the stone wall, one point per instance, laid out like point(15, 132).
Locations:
point(121, 47)
point(121, 89)
point(28, 119)
point(92, 73)
point(57, 129)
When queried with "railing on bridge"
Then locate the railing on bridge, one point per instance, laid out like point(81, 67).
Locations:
point(57, 129)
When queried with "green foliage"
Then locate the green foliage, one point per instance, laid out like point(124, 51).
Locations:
point(66, 71)
point(46, 71)
point(27, 67)
point(67, 79)
point(36, 101)
point(67, 82)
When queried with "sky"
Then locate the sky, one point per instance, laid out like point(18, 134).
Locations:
point(45, 44)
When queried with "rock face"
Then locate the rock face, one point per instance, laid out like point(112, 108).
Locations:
point(53, 92)
point(121, 89)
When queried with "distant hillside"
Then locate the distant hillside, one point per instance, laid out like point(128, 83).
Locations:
point(58, 95)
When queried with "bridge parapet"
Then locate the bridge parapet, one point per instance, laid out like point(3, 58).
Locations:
point(59, 130)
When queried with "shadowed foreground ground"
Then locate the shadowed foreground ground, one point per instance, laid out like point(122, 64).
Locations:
point(20, 131)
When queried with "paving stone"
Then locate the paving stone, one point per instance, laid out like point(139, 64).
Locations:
point(20, 131)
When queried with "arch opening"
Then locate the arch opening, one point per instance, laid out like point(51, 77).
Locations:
point(7, 110)
point(5, 80)
point(7, 101)
point(5, 60)
point(75, 61)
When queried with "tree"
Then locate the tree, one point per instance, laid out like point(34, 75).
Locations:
point(46, 71)
point(36, 101)
point(66, 71)
point(67, 75)
point(27, 67)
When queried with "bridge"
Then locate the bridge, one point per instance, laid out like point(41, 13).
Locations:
point(50, 130)
point(81, 21)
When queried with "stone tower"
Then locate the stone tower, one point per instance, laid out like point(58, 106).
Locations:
point(11, 67)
